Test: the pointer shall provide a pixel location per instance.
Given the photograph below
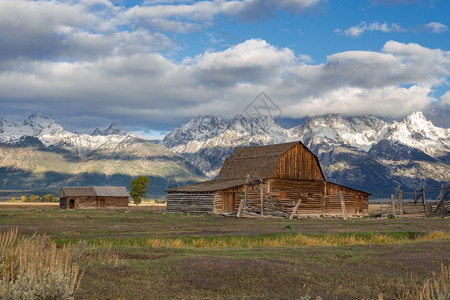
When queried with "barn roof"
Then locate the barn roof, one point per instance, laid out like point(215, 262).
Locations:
point(259, 162)
point(209, 186)
point(94, 191)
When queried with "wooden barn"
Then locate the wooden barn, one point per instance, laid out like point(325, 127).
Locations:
point(284, 179)
point(93, 197)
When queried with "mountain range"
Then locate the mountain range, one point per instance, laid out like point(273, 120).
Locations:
point(40, 155)
point(362, 152)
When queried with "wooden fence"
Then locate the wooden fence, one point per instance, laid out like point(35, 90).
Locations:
point(418, 204)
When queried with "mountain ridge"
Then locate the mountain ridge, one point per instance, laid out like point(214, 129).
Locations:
point(40, 154)
point(402, 153)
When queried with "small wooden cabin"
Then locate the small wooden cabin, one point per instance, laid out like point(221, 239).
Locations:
point(93, 197)
point(278, 174)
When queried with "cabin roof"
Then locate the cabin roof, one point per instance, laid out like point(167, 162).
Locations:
point(94, 191)
point(259, 162)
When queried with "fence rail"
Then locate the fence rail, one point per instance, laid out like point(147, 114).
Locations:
point(420, 206)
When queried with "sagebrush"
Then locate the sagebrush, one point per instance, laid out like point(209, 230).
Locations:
point(33, 268)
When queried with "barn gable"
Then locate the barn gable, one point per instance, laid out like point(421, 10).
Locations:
point(272, 161)
point(298, 162)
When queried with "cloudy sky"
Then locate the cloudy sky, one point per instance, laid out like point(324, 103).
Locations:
point(151, 65)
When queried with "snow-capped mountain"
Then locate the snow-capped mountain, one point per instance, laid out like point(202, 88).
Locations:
point(210, 144)
point(358, 132)
point(417, 132)
point(113, 129)
point(363, 151)
point(49, 133)
point(40, 154)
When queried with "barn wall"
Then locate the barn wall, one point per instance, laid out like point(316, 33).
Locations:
point(298, 163)
point(94, 202)
point(190, 202)
point(360, 199)
point(279, 190)
point(116, 201)
point(85, 202)
point(318, 203)
point(63, 202)
point(218, 202)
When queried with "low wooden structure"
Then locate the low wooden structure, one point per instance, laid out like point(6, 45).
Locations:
point(284, 179)
point(93, 197)
point(418, 206)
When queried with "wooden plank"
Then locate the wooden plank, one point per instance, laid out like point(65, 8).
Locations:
point(190, 202)
point(294, 211)
point(393, 204)
point(243, 202)
point(423, 195)
point(262, 197)
point(415, 196)
point(344, 213)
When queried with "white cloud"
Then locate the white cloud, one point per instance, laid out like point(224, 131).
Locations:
point(87, 29)
point(362, 27)
point(397, 80)
point(445, 100)
point(389, 101)
point(250, 61)
point(358, 30)
point(436, 27)
point(72, 57)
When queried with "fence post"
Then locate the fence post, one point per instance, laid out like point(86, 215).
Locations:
point(415, 197)
point(393, 204)
point(381, 209)
point(423, 195)
point(243, 203)
point(344, 212)
point(400, 202)
point(262, 198)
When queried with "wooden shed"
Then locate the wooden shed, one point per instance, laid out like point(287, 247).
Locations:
point(93, 197)
point(280, 179)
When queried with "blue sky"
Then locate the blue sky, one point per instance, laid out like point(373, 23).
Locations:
point(152, 65)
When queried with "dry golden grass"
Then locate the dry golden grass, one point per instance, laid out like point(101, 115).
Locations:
point(435, 235)
point(33, 268)
point(435, 288)
point(330, 240)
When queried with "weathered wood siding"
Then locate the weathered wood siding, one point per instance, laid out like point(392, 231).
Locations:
point(114, 201)
point(63, 203)
point(289, 191)
point(94, 202)
point(190, 202)
point(360, 199)
point(298, 163)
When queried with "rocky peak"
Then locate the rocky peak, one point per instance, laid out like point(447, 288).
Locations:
point(200, 129)
point(239, 123)
point(38, 119)
point(113, 129)
point(41, 124)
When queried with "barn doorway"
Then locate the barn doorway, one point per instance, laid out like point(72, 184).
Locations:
point(229, 202)
point(72, 203)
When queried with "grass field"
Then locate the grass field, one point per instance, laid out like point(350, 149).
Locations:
point(143, 253)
